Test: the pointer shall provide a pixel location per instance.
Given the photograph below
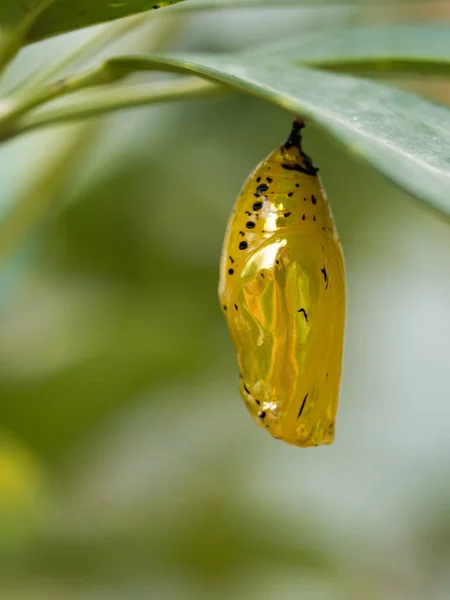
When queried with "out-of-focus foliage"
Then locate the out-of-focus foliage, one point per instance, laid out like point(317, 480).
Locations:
point(60, 16)
point(129, 468)
point(373, 48)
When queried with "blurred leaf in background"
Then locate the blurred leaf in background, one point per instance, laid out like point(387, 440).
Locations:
point(129, 467)
point(60, 16)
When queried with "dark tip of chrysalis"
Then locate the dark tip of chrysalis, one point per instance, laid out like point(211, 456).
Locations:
point(295, 141)
point(295, 138)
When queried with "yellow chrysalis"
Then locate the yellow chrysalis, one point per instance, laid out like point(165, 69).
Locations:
point(282, 289)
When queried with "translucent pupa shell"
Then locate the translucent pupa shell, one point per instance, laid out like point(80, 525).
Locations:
point(282, 290)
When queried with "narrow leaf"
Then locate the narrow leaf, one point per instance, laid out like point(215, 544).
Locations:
point(423, 48)
point(404, 136)
point(66, 15)
point(194, 5)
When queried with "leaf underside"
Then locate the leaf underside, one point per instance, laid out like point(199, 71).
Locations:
point(404, 136)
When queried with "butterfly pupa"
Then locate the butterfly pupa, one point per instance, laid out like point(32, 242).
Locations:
point(282, 290)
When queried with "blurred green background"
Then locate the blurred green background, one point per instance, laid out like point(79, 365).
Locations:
point(129, 467)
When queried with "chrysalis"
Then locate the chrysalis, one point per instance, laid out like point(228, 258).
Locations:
point(282, 290)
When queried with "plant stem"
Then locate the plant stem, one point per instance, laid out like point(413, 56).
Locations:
point(99, 102)
point(13, 107)
point(110, 32)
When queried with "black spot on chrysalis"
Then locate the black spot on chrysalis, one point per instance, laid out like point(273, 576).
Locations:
point(302, 310)
point(262, 188)
point(302, 406)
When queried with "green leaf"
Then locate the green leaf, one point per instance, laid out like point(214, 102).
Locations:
point(423, 48)
point(405, 137)
point(11, 12)
point(66, 15)
point(194, 5)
